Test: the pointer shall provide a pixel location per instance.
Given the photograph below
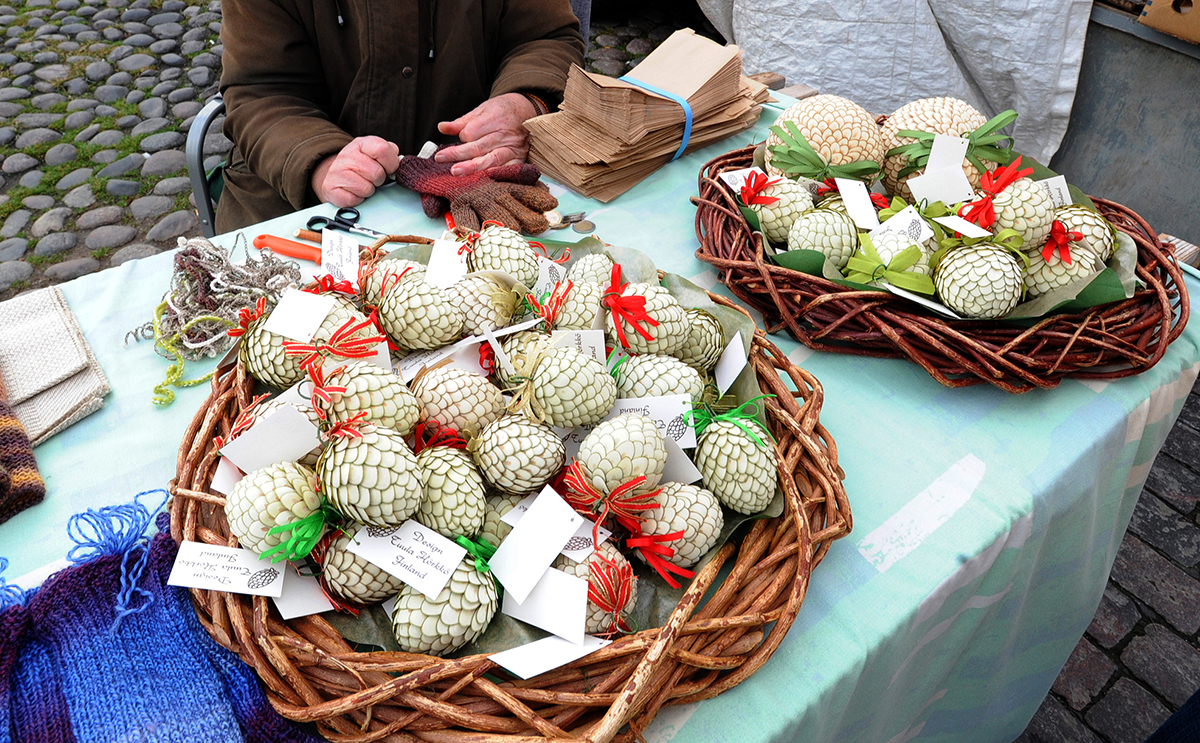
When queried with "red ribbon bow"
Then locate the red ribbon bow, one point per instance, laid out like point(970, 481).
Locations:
point(348, 427)
point(326, 284)
point(880, 201)
point(1059, 240)
point(343, 343)
point(558, 297)
point(610, 586)
point(246, 317)
point(487, 359)
point(626, 309)
point(753, 187)
point(981, 211)
point(622, 503)
point(321, 390)
point(431, 433)
point(655, 552)
point(566, 254)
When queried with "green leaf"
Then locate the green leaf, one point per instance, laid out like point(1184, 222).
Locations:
point(811, 262)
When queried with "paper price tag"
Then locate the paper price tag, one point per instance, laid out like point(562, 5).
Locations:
point(299, 314)
point(1056, 189)
point(285, 435)
point(858, 203)
point(587, 342)
point(669, 412)
point(735, 179)
point(580, 545)
point(679, 467)
point(549, 274)
point(339, 256)
point(947, 185)
point(301, 596)
point(229, 569)
point(961, 226)
point(947, 152)
point(731, 363)
point(941, 309)
point(226, 476)
point(534, 542)
point(557, 604)
point(446, 266)
point(532, 659)
point(415, 554)
point(909, 223)
point(572, 438)
point(501, 357)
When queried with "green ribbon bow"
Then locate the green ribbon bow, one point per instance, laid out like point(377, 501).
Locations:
point(305, 534)
point(702, 416)
point(797, 157)
point(865, 267)
point(1008, 239)
point(982, 144)
point(927, 211)
point(480, 549)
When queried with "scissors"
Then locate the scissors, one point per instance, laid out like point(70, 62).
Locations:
point(346, 219)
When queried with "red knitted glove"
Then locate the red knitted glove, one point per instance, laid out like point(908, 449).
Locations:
point(510, 194)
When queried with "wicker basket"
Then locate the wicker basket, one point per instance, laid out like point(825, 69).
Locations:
point(1105, 342)
point(312, 675)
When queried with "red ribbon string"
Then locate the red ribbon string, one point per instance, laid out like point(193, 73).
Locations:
point(391, 280)
point(981, 211)
point(343, 343)
point(626, 309)
point(753, 187)
point(622, 503)
point(558, 297)
point(431, 433)
point(1059, 240)
point(374, 318)
point(566, 254)
point(487, 359)
point(880, 201)
point(326, 284)
point(828, 186)
point(246, 317)
point(655, 552)
point(610, 586)
point(469, 241)
point(321, 390)
point(348, 427)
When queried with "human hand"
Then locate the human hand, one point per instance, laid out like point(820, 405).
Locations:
point(350, 176)
point(492, 134)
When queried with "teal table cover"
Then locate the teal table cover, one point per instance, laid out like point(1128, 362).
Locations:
point(985, 524)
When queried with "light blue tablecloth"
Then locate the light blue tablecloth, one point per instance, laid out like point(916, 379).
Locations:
point(985, 523)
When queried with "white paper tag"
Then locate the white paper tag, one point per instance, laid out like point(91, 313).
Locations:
point(679, 467)
point(302, 595)
point(415, 554)
point(299, 314)
point(502, 359)
point(735, 179)
point(941, 309)
point(668, 412)
point(731, 363)
point(948, 185)
point(961, 226)
point(549, 274)
point(579, 546)
point(557, 604)
point(427, 150)
point(587, 342)
point(546, 654)
point(407, 367)
point(445, 266)
point(1056, 188)
point(947, 152)
point(858, 203)
point(299, 393)
point(572, 438)
point(339, 256)
point(229, 569)
point(226, 476)
point(389, 605)
point(909, 223)
point(532, 545)
point(285, 435)
point(382, 357)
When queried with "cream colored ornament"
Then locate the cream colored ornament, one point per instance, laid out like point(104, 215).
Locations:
point(592, 269)
point(1025, 207)
point(670, 333)
point(419, 316)
point(570, 306)
point(352, 578)
point(690, 509)
point(519, 347)
point(458, 399)
point(373, 479)
point(566, 389)
point(497, 505)
point(384, 274)
point(500, 249)
point(487, 303)
point(980, 281)
point(453, 500)
point(738, 464)
point(827, 231)
point(378, 392)
point(268, 360)
point(838, 129)
point(517, 455)
point(611, 580)
point(458, 615)
point(272, 496)
point(937, 115)
point(622, 448)
point(889, 244)
point(657, 376)
point(1098, 234)
point(776, 218)
point(705, 341)
point(1043, 275)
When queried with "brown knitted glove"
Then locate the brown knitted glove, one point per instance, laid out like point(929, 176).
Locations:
point(510, 195)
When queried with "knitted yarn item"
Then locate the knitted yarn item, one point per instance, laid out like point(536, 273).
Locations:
point(509, 194)
point(21, 485)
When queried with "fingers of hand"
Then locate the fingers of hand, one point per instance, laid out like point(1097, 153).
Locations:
point(380, 150)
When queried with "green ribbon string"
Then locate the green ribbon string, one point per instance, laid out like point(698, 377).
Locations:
point(614, 365)
point(982, 144)
point(480, 549)
point(927, 211)
point(163, 395)
point(1008, 239)
point(865, 267)
point(305, 534)
point(702, 416)
point(797, 157)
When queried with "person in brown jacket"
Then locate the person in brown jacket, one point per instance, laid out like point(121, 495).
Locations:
point(323, 96)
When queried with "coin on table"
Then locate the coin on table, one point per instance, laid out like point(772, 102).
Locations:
point(553, 217)
point(583, 226)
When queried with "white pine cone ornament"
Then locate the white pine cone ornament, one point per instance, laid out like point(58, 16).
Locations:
point(278, 362)
point(1025, 207)
point(688, 509)
point(517, 347)
point(458, 399)
point(419, 316)
point(517, 455)
point(496, 507)
point(643, 318)
point(736, 458)
point(656, 376)
point(889, 244)
point(271, 497)
point(826, 230)
point(981, 281)
point(375, 277)
point(936, 116)
point(840, 131)
point(497, 248)
point(621, 449)
point(1048, 269)
point(351, 578)
point(777, 203)
point(591, 269)
point(453, 502)
point(705, 341)
point(362, 387)
point(458, 615)
point(569, 306)
point(1097, 233)
point(253, 415)
point(369, 474)
point(487, 303)
point(565, 388)
point(612, 588)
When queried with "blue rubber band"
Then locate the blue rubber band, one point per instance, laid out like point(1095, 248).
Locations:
point(687, 111)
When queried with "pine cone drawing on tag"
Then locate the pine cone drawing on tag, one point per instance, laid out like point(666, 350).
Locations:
point(914, 231)
point(555, 273)
point(262, 578)
point(676, 428)
point(577, 543)
point(377, 532)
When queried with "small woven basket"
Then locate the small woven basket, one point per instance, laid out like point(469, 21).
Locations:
point(312, 675)
point(1110, 341)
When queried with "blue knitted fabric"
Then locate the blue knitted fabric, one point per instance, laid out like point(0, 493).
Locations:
point(69, 671)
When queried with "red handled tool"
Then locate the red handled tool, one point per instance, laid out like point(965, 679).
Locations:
point(290, 248)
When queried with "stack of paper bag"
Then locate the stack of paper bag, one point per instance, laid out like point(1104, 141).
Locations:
point(609, 134)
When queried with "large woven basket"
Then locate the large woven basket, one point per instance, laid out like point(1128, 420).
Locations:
point(1106, 342)
point(311, 674)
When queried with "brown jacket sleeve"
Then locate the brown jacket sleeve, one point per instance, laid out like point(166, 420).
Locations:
point(538, 43)
point(273, 86)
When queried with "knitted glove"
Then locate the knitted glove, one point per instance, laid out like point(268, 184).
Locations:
point(510, 194)
point(25, 486)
